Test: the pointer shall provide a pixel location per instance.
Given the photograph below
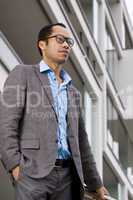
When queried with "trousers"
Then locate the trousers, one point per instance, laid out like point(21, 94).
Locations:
point(59, 184)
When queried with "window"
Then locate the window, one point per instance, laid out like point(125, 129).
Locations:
point(111, 56)
point(87, 6)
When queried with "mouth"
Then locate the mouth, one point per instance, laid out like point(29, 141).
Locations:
point(64, 52)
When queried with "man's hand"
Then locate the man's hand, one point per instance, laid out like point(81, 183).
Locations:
point(15, 173)
point(101, 192)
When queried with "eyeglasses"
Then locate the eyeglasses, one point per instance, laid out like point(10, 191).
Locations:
point(61, 39)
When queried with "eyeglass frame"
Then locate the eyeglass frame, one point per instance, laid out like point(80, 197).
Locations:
point(65, 39)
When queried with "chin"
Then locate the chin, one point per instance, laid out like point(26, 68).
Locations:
point(61, 61)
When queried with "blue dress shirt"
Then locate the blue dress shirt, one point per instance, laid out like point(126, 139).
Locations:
point(59, 92)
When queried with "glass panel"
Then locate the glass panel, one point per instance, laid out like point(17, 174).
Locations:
point(117, 135)
point(87, 6)
point(111, 57)
point(112, 63)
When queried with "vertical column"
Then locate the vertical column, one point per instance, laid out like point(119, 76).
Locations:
point(93, 125)
point(97, 137)
point(122, 192)
point(88, 115)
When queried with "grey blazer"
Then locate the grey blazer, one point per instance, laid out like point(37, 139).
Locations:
point(28, 124)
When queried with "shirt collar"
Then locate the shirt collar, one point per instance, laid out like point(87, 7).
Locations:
point(65, 76)
point(43, 66)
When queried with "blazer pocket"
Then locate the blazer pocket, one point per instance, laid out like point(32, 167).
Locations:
point(30, 143)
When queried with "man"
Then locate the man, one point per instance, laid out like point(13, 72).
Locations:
point(44, 145)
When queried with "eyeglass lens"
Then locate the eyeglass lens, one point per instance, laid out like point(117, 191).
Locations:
point(60, 39)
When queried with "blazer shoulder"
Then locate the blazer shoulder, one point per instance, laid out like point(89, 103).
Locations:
point(22, 70)
point(18, 75)
point(23, 67)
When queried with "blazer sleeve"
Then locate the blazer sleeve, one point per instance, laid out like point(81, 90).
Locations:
point(11, 111)
point(91, 175)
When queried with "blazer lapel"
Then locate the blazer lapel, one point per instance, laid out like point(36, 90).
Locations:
point(70, 95)
point(46, 85)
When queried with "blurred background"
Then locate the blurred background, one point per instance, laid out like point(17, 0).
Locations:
point(100, 65)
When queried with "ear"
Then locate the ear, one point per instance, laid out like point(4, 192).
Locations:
point(42, 45)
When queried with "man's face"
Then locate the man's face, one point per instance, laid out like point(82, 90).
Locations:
point(54, 50)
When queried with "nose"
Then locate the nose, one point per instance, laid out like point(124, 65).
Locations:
point(65, 44)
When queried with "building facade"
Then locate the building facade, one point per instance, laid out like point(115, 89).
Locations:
point(100, 65)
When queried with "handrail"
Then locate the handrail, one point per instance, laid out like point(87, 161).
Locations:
point(109, 9)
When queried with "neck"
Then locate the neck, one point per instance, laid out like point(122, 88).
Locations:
point(54, 66)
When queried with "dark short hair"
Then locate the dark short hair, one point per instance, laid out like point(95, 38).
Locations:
point(45, 32)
